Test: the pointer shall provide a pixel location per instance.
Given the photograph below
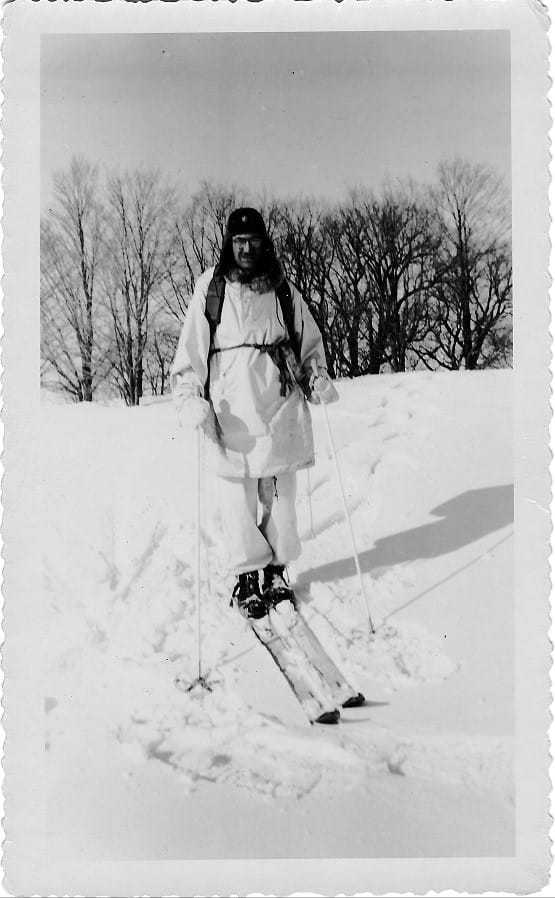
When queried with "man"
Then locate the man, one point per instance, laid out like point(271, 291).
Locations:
point(249, 356)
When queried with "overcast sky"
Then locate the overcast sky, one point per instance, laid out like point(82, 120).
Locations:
point(291, 113)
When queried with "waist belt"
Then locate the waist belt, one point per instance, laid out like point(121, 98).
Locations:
point(278, 355)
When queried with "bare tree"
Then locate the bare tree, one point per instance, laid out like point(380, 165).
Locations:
point(381, 270)
point(347, 284)
point(71, 258)
point(470, 325)
point(158, 357)
point(401, 260)
point(198, 233)
point(141, 210)
point(395, 279)
point(300, 231)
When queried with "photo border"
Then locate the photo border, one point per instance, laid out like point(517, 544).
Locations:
point(28, 869)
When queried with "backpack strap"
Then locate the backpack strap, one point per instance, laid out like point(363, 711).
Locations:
point(214, 302)
point(284, 295)
point(213, 312)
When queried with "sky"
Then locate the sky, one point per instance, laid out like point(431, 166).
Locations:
point(290, 114)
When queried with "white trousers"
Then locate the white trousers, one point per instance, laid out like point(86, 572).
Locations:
point(257, 536)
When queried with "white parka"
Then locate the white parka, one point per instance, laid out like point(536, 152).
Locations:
point(260, 432)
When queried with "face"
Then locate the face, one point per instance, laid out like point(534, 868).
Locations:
point(247, 251)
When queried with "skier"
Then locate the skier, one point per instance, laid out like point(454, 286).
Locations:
point(249, 357)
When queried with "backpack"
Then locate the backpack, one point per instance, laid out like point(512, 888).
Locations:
point(213, 311)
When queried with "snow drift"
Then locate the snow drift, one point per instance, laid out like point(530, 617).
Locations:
point(427, 465)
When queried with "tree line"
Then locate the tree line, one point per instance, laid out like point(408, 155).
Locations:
point(410, 276)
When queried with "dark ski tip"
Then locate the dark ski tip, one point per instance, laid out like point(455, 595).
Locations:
point(355, 701)
point(328, 717)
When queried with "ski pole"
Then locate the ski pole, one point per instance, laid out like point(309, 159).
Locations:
point(199, 680)
point(345, 509)
point(309, 494)
point(199, 633)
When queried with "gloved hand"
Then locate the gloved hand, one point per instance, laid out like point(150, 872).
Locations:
point(322, 389)
point(195, 412)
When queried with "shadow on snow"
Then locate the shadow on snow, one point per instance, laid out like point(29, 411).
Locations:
point(464, 519)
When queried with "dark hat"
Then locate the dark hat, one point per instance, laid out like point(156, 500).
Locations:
point(246, 221)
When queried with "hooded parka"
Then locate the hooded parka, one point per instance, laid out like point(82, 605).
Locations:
point(260, 432)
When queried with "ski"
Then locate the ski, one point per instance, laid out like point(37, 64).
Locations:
point(316, 700)
point(292, 623)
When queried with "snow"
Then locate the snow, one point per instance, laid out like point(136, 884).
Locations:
point(425, 769)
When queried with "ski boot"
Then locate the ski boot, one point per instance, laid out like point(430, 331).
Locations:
point(328, 717)
point(275, 588)
point(246, 595)
point(354, 701)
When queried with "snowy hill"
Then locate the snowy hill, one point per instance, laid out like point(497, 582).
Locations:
point(424, 769)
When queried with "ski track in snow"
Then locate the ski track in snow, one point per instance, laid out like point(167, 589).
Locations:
point(120, 586)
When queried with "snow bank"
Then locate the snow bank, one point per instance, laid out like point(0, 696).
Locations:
point(117, 506)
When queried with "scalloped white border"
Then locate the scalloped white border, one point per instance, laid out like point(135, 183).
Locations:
point(28, 869)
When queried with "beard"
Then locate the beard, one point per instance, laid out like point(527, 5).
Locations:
point(246, 275)
point(265, 275)
point(259, 280)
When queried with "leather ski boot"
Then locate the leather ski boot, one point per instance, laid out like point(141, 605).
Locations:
point(275, 588)
point(246, 596)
